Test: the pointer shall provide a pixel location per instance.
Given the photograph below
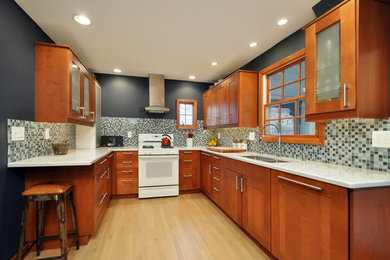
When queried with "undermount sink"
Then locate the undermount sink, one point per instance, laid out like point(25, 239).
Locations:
point(264, 159)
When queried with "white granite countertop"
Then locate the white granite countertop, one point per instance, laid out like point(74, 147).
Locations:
point(347, 177)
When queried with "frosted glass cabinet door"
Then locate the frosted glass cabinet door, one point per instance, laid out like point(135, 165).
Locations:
point(75, 87)
point(328, 63)
point(86, 95)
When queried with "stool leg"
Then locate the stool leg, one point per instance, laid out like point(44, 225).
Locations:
point(22, 230)
point(41, 206)
point(61, 215)
point(74, 218)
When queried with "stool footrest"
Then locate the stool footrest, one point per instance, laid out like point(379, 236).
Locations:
point(57, 236)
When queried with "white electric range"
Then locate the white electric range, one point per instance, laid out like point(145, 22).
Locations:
point(158, 167)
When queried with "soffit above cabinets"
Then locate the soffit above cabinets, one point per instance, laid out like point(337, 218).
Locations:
point(177, 38)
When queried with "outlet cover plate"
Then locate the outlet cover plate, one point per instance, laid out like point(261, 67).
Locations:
point(252, 136)
point(17, 133)
point(381, 139)
point(47, 133)
point(129, 134)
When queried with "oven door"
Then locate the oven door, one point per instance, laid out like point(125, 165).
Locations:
point(158, 170)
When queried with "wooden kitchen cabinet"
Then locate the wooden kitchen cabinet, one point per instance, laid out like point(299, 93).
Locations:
point(205, 165)
point(217, 181)
point(233, 196)
point(189, 174)
point(309, 218)
point(126, 173)
point(346, 65)
point(233, 102)
point(64, 88)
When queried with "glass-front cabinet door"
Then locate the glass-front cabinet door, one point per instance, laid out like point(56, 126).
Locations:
point(330, 58)
point(75, 88)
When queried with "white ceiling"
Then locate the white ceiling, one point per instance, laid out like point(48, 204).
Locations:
point(177, 38)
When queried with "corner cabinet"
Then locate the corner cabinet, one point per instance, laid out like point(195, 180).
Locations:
point(347, 62)
point(64, 88)
point(233, 102)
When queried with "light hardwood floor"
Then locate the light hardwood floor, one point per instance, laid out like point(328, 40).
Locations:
point(186, 227)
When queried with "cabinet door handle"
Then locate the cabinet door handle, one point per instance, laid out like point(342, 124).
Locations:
point(216, 189)
point(345, 86)
point(187, 160)
point(126, 153)
point(108, 171)
point(188, 152)
point(301, 183)
point(83, 109)
point(128, 162)
point(187, 176)
point(209, 168)
point(101, 201)
point(215, 157)
point(208, 155)
point(216, 168)
point(217, 179)
point(127, 180)
point(130, 171)
point(101, 176)
point(102, 161)
point(93, 116)
point(111, 155)
point(242, 184)
point(237, 188)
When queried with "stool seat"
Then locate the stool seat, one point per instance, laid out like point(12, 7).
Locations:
point(47, 189)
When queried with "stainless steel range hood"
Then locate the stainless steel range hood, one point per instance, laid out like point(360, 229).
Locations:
point(156, 94)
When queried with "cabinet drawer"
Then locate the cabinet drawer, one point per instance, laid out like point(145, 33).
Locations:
point(129, 163)
point(187, 155)
point(102, 165)
point(127, 172)
point(216, 160)
point(127, 185)
point(125, 156)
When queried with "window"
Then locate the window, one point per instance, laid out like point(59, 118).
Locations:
point(284, 102)
point(186, 113)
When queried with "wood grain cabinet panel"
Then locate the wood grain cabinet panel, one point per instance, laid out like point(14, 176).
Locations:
point(205, 162)
point(125, 173)
point(309, 218)
point(64, 88)
point(346, 73)
point(189, 173)
point(233, 102)
point(233, 197)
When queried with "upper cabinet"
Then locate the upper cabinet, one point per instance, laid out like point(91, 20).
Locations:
point(232, 103)
point(64, 88)
point(347, 62)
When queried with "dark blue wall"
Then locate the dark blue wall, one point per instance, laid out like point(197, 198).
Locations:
point(17, 58)
point(127, 96)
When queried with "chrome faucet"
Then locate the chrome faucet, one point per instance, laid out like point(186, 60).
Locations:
point(278, 152)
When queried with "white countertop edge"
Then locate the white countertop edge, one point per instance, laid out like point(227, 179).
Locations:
point(294, 166)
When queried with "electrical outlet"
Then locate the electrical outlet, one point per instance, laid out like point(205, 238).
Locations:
point(129, 134)
point(219, 135)
point(252, 136)
point(47, 133)
point(17, 133)
point(381, 139)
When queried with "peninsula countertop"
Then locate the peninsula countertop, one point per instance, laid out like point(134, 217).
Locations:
point(348, 177)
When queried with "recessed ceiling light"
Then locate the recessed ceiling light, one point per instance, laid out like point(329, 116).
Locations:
point(117, 70)
point(253, 44)
point(214, 63)
point(192, 77)
point(82, 19)
point(282, 21)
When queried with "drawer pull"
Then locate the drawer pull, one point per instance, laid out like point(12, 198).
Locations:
point(187, 176)
point(102, 161)
point(217, 179)
point(216, 189)
point(101, 176)
point(210, 168)
point(215, 157)
point(205, 154)
point(127, 153)
point(127, 180)
point(187, 160)
point(188, 152)
point(216, 168)
point(111, 155)
point(301, 183)
point(131, 162)
point(128, 171)
point(104, 196)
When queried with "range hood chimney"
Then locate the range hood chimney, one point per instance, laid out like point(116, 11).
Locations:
point(156, 94)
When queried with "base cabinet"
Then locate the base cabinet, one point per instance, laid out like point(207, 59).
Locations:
point(205, 165)
point(189, 177)
point(126, 173)
point(233, 197)
point(309, 218)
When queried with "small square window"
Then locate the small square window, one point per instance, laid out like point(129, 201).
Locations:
point(186, 114)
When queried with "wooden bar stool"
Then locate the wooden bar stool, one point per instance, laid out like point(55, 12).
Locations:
point(42, 193)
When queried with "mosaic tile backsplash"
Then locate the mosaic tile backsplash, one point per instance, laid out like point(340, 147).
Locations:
point(34, 143)
point(120, 126)
point(347, 142)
